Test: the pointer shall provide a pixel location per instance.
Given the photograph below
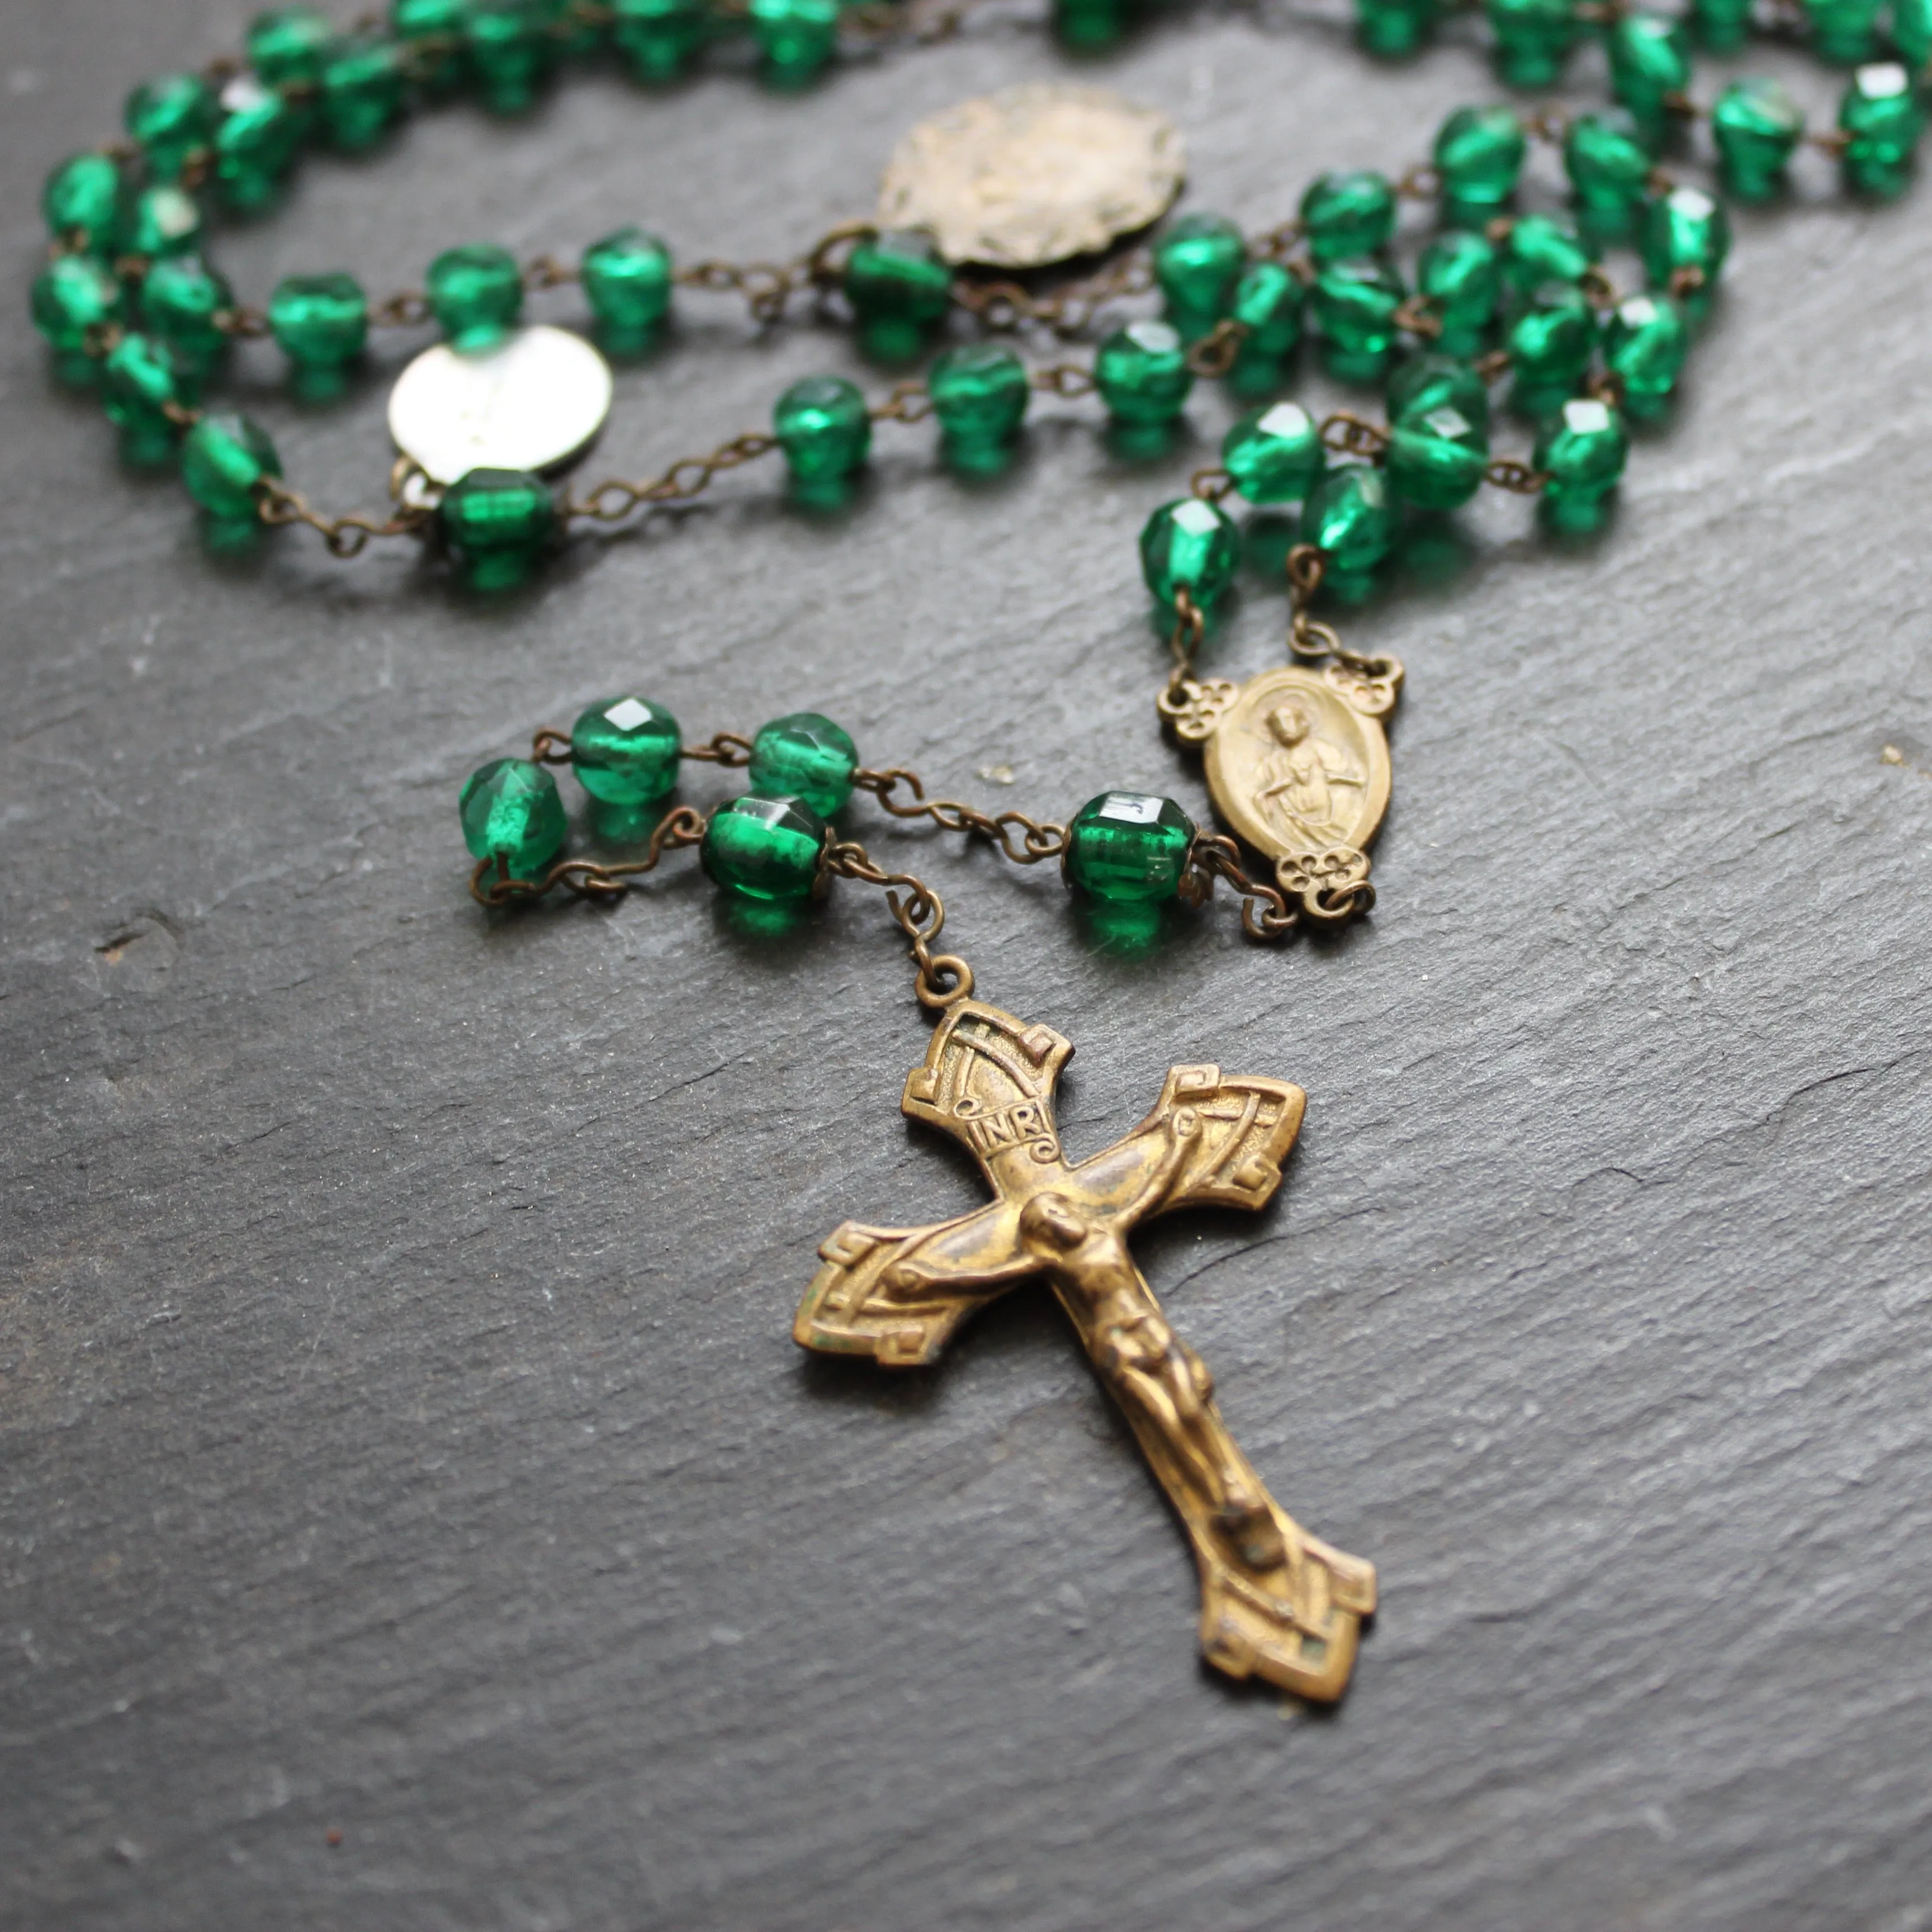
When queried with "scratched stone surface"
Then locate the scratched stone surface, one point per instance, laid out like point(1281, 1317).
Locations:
point(402, 1440)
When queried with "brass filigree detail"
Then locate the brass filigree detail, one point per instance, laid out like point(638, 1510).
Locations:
point(1371, 685)
point(1332, 886)
point(1194, 708)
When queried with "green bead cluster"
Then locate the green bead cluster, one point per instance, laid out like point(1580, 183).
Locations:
point(1192, 546)
point(1141, 375)
point(980, 393)
point(1128, 848)
point(475, 293)
point(1883, 122)
point(1757, 127)
point(825, 430)
point(1197, 265)
point(512, 816)
point(806, 756)
point(627, 282)
point(625, 751)
point(497, 523)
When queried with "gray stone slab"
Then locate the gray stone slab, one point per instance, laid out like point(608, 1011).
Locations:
point(402, 1436)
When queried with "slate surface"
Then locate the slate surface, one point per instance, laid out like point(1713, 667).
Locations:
point(402, 1436)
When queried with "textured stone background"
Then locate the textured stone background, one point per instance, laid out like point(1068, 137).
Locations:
point(402, 1436)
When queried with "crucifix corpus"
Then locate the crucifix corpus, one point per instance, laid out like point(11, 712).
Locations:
point(1276, 1603)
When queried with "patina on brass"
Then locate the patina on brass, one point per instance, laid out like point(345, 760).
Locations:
point(1276, 1603)
point(1033, 174)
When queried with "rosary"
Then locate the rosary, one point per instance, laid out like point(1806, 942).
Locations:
point(980, 206)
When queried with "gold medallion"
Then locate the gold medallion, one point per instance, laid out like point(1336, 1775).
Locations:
point(1033, 174)
point(1298, 766)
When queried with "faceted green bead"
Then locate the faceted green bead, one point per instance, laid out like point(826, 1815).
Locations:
point(169, 118)
point(320, 322)
point(1189, 545)
point(658, 38)
point(256, 142)
point(1436, 461)
point(511, 810)
point(72, 294)
point(1197, 263)
point(1268, 302)
point(290, 44)
point(1650, 59)
point(1141, 373)
point(980, 393)
point(1912, 31)
point(362, 92)
point(898, 275)
point(1461, 274)
point(795, 37)
point(475, 293)
point(1432, 381)
point(1479, 155)
point(140, 377)
point(626, 751)
point(512, 52)
point(499, 522)
point(1608, 159)
point(1089, 26)
point(1543, 248)
point(1582, 449)
point(627, 281)
point(1274, 453)
point(1685, 229)
point(806, 756)
point(1551, 340)
point(82, 202)
point(1721, 26)
point(164, 219)
point(1355, 302)
point(181, 298)
point(1883, 119)
point(223, 459)
point(435, 32)
point(1393, 28)
point(1128, 848)
point(1533, 38)
point(764, 848)
point(1350, 516)
point(1757, 127)
point(1844, 31)
point(1645, 344)
point(824, 426)
point(1347, 213)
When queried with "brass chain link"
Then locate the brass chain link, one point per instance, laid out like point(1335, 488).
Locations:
point(1038, 839)
point(1265, 913)
point(944, 979)
point(346, 535)
point(604, 885)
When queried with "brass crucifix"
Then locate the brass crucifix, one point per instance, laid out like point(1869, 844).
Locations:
point(1275, 1603)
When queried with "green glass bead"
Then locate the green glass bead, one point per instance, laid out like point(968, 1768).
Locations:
point(1543, 248)
point(1436, 461)
point(499, 522)
point(290, 44)
point(1128, 848)
point(1533, 39)
point(795, 37)
point(765, 849)
point(1348, 214)
point(1142, 374)
point(475, 293)
point(1461, 274)
point(1268, 302)
point(512, 50)
point(1189, 545)
point(72, 294)
point(1686, 229)
point(1721, 26)
point(1355, 302)
point(1350, 516)
point(1089, 26)
point(1432, 381)
point(658, 38)
point(627, 281)
point(256, 142)
point(169, 118)
point(625, 750)
point(320, 322)
point(1479, 155)
point(1912, 31)
point(512, 811)
point(1757, 126)
point(82, 202)
point(579, 30)
point(980, 393)
point(1551, 338)
point(164, 221)
point(1197, 263)
point(362, 92)
point(1650, 60)
point(1582, 450)
point(1608, 159)
point(436, 34)
point(1274, 453)
point(823, 426)
point(181, 297)
point(1392, 28)
point(1844, 32)
point(140, 377)
point(898, 275)
point(806, 756)
point(223, 459)
point(1645, 341)
point(1883, 121)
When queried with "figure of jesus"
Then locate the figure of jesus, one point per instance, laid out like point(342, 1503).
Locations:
point(1306, 781)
